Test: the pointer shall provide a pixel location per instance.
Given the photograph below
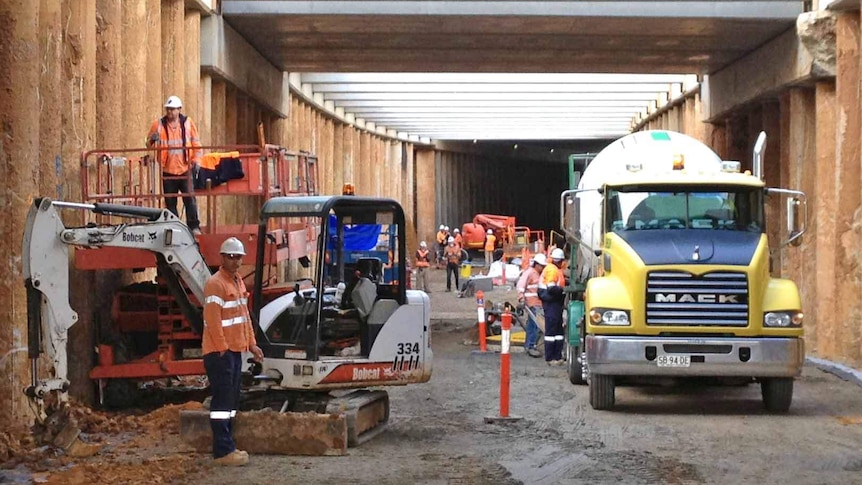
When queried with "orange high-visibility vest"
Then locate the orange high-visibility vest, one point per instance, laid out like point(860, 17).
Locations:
point(227, 324)
point(177, 160)
point(552, 276)
point(422, 258)
point(489, 242)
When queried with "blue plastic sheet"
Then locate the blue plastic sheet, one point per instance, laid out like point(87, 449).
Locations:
point(356, 237)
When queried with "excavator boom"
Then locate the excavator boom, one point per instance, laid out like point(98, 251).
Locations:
point(46, 277)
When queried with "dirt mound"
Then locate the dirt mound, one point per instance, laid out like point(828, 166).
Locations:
point(167, 469)
point(143, 448)
point(166, 419)
point(18, 446)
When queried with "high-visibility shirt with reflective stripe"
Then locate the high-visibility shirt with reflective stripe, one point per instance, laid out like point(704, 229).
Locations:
point(227, 324)
point(172, 160)
point(528, 286)
point(552, 276)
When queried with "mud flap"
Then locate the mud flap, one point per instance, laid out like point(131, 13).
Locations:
point(576, 314)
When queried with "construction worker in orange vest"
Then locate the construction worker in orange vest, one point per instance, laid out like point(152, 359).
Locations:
point(423, 262)
point(552, 282)
point(528, 294)
point(441, 243)
point(178, 133)
point(459, 240)
point(490, 242)
point(453, 263)
point(227, 334)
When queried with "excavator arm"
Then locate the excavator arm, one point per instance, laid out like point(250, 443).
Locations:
point(46, 276)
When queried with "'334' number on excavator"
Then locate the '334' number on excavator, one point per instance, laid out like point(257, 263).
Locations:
point(408, 348)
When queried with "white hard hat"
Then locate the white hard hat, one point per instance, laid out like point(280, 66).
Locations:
point(451, 240)
point(456, 231)
point(541, 259)
point(174, 102)
point(558, 253)
point(442, 227)
point(232, 245)
point(446, 228)
point(423, 245)
point(490, 231)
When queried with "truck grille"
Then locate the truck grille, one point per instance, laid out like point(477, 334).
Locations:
point(676, 298)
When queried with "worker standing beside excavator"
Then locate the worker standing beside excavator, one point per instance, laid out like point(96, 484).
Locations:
point(552, 282)
point(490, 241)
point(227, 333)
point(178, 133)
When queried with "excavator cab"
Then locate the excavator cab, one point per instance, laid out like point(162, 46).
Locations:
point(352, 322)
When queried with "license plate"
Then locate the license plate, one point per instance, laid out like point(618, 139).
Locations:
point(673, 361)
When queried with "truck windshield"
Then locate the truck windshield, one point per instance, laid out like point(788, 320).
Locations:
point(637, 209)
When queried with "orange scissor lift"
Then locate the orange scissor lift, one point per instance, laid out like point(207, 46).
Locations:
point(146, 316)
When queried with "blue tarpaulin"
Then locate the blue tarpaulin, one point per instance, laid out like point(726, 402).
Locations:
point(356, 237)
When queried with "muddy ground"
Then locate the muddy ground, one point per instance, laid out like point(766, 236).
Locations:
point(437, 432)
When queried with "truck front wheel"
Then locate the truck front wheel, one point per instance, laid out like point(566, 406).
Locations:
point(574, 365)
point(777, 393)
point(601, 391)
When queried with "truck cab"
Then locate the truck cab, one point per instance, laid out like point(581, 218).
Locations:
point(675, 266)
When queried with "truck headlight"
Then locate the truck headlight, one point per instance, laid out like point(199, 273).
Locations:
point(783, 319)
point(609, 316)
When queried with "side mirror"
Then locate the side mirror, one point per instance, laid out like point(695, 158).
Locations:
point(572, 216)
point(795, 220)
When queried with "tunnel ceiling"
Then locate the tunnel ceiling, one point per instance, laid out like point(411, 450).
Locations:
point(504, 69)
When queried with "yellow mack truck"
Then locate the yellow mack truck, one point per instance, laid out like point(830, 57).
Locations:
point(670, 270)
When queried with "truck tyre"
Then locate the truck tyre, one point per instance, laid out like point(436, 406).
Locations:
point(601, 392)
point(777, 393)
point(574, 366)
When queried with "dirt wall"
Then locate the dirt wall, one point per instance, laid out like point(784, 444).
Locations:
point(82, 74)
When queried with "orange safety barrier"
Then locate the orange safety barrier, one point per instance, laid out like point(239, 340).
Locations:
point(505, 364)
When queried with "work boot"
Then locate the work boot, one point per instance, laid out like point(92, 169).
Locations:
point(234, 458)
point(533, 353)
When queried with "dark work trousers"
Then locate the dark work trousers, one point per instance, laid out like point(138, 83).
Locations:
point(174, 184)
point(225, 375)
point(553, 330)
point(452, 268)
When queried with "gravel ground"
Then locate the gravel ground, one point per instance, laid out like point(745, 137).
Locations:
point(438, 435)
point(691, 434)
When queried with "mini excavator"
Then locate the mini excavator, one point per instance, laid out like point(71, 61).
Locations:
point(341, 330)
